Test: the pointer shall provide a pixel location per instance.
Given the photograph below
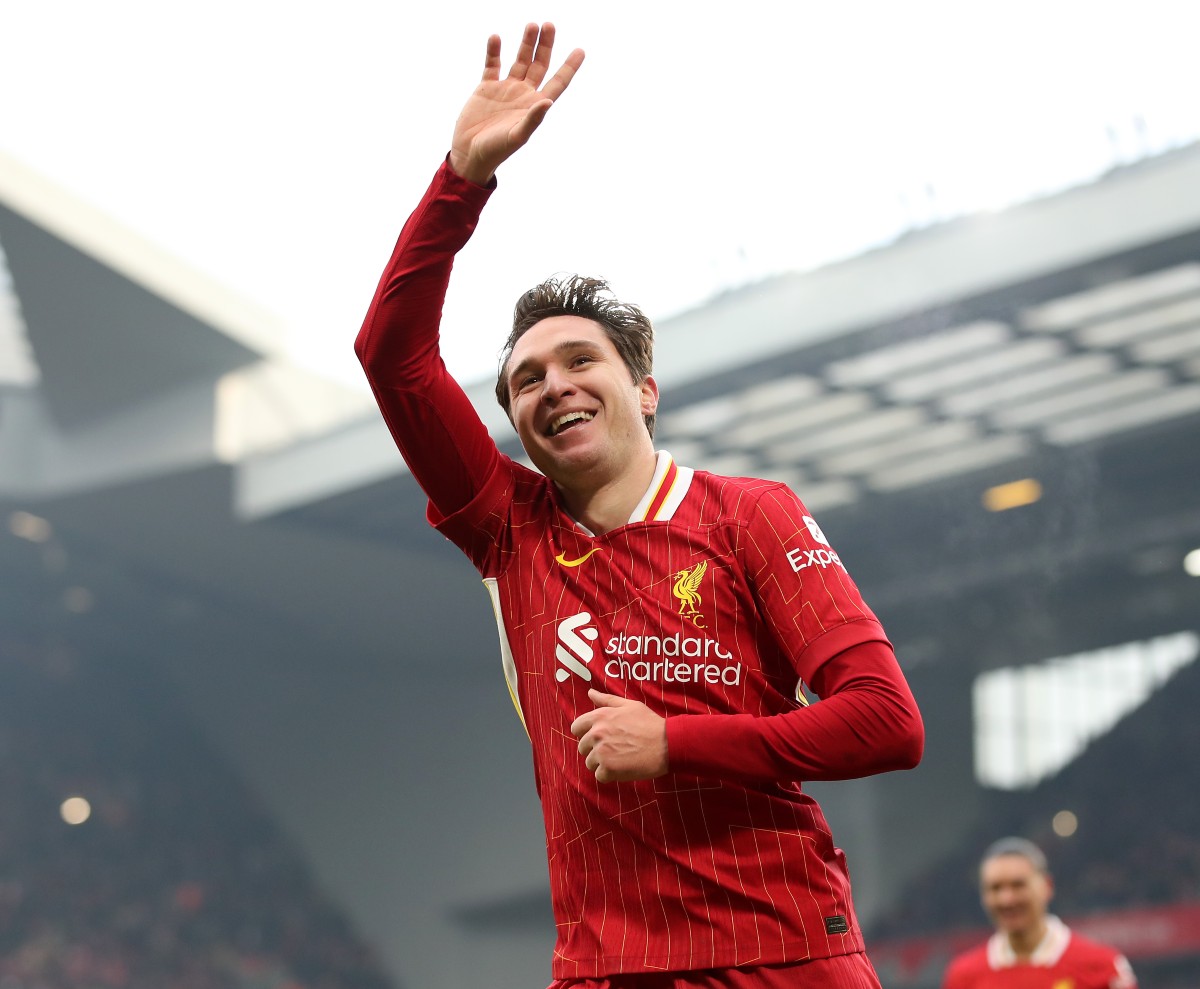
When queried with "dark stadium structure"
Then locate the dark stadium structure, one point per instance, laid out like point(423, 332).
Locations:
point(290, 602)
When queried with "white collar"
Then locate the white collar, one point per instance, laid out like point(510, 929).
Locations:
point(1049, 950)
point(668, 486)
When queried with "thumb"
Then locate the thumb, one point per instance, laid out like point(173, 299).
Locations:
point(601, 699)
point(533, 118)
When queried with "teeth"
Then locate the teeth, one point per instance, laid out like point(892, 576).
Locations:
point(556, 425)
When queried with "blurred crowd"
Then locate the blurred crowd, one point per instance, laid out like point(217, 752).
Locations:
point(1137, 842)
point(1133, 792)
point(177, 879)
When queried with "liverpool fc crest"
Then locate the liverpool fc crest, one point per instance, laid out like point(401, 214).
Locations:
point(687, 590)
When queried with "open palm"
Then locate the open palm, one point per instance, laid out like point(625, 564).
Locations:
point(501, 114)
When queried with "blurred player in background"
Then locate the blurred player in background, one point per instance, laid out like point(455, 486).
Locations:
point(655, 621)
point(1031, 949)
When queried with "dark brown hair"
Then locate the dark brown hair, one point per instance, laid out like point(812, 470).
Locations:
point(629, 329)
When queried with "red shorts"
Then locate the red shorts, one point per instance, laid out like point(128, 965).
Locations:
point(840, 972)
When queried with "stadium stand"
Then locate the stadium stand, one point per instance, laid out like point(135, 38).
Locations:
point(176, 880)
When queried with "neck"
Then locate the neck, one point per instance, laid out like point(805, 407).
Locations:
point(1024, 943)
point(606, 504)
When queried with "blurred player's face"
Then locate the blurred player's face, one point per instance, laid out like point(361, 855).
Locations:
point(575, 404)
point(1015, 894)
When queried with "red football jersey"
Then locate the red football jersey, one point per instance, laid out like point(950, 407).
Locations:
point(716, 598)
point(710, 605)
point(1064, 960)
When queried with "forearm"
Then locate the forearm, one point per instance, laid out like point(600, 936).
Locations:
point(429, 416)
point(866, 723)
point(398, 342)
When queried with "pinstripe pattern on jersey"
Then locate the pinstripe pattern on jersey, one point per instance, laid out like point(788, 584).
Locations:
point(682, 872)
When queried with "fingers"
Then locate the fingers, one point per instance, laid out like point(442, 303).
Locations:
point(581, 725)
point(603, 773)
point(562, 78)
point(525, 54)
point(533, 61)
point(541, 56)
point(491, 61)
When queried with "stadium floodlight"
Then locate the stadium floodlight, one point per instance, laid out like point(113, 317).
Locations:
point(1065, 823)
point(30, 527)
point(1014, 494)
point(75, 810)
point(1191, 563)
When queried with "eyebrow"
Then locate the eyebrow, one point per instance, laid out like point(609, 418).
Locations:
point(559, 348)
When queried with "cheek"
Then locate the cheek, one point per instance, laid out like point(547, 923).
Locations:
point(521, 416)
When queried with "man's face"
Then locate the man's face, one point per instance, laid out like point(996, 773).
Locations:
point(574, 403)
point(1015, 893)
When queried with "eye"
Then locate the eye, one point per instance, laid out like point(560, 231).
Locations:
point(581, 359)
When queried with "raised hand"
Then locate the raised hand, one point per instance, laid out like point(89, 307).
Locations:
point(502, 114)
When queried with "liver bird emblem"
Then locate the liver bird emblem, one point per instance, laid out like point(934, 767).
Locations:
point(687, 589)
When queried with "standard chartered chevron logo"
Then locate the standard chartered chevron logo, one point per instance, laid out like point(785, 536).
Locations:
point(573, 650)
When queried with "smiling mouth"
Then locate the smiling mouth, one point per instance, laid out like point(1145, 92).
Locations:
point(564, 422)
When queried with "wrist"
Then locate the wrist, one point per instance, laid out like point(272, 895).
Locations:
point(472, 171)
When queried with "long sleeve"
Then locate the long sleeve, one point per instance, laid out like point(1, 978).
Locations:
point(431, 419)
point(866, 723)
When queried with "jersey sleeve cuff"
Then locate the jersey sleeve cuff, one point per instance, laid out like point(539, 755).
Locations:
point(465, 189)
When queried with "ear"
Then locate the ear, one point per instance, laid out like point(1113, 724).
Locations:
point(649, 390)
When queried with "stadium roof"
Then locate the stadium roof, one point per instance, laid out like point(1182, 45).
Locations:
point(1059, 340)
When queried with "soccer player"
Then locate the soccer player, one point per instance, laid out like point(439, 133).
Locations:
point(655, 621)
point(1031, 949)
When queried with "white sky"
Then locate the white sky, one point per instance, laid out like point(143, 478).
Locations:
point(279, 146)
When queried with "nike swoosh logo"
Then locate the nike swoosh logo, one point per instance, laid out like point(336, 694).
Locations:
point(561, 558)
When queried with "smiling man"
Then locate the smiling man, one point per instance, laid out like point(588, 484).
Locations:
point(656, 622)
point(1031, 949)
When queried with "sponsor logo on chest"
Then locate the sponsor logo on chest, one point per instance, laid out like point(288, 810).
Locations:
point(650, 655)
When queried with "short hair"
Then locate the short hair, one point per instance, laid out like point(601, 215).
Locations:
point(1016, 846)
point(629, 329)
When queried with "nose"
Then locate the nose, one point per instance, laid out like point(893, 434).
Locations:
point(555, 384)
